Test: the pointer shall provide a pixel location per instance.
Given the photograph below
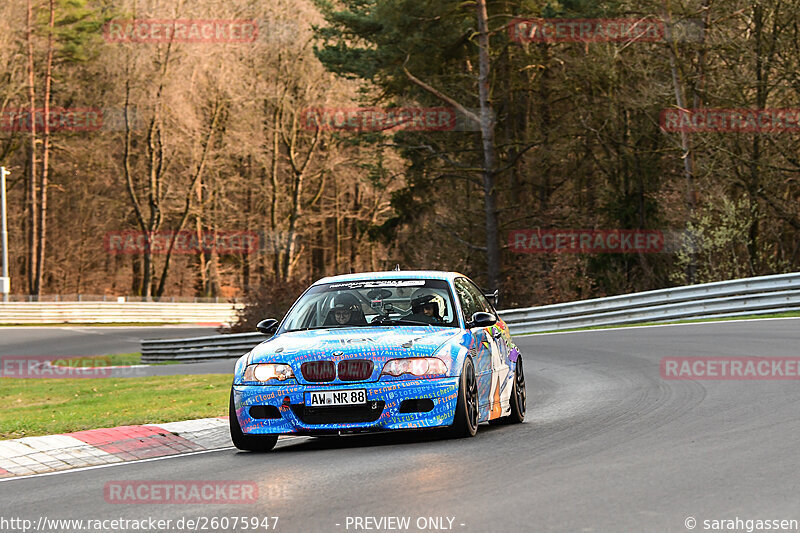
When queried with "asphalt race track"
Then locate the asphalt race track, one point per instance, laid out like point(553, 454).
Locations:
point(608, 445)
point(80, 340)
point(86, 340)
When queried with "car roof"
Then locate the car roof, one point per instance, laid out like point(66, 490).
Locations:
point(392, 274)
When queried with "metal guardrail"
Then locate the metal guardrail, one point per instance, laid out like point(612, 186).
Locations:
point(111, 312)
point(200, 348)
point(750, 296)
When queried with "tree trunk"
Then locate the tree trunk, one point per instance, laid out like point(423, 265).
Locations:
point(33, 226)
point(764, 53)
point(294, 216)
point(487, 122)
point(299, 174)
point(41, 240)
point(198, 229)
point(272, 233)
point(687, 153)
point(153, 222)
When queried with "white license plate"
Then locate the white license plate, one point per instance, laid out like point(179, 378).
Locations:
point(336, 397)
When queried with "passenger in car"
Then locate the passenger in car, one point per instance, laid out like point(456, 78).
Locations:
point(346, 311)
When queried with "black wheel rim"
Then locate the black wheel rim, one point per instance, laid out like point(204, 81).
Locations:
point(472, 397)
point(519, 389)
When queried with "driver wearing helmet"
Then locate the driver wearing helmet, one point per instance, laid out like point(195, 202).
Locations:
point(346, 311)
point(425, 307)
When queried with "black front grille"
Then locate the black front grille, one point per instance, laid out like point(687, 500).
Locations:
point(355, 369)
point(345, 414)
point(318, 371)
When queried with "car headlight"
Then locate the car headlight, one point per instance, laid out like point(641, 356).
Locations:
point(418, 366)
point(268, 371)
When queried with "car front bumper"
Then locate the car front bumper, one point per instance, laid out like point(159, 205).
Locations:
point(382, 412)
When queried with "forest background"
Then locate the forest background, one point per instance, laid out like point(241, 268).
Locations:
point(213, 135)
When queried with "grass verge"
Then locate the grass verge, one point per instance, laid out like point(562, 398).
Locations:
point(115, 359)
point(688, 321)
point(49, 406)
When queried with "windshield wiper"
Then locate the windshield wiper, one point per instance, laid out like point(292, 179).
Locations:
point(330, 326)
point(401, 321)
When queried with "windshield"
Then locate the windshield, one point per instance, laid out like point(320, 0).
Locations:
point(391, 302)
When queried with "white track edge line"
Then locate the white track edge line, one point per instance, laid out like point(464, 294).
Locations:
point(95, 467)
point(528, 335)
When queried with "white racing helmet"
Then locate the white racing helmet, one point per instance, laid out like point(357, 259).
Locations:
point(426, 297)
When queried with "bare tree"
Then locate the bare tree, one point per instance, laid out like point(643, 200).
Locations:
point(33, 189)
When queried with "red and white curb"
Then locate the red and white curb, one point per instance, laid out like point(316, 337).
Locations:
point(38, 455)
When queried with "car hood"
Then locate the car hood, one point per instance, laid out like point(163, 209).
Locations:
point(376, 343)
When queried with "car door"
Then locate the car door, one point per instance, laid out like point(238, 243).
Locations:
point(498, 341)
point(481, 347)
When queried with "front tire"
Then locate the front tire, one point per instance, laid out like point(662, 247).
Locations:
point(518, 395)
point(465, 421)
point(249, 443)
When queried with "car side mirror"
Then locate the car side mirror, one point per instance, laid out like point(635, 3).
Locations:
point(482, 319)
point(268, 326)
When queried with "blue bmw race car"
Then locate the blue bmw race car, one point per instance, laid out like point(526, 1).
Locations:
point(376, 352)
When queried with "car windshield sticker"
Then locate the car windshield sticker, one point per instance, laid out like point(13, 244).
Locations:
point(380, 283)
